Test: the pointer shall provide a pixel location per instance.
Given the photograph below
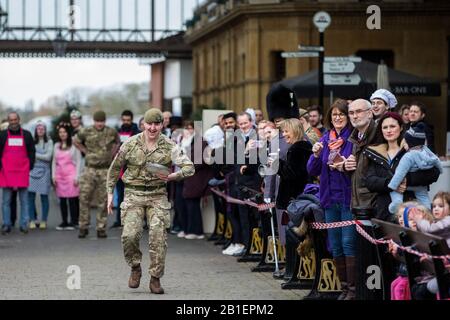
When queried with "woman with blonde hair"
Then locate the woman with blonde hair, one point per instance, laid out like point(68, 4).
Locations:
point(292, 171)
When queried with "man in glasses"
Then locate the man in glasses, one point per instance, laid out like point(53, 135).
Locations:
point(361, 116)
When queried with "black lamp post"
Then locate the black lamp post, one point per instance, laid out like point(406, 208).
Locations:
point(3, 18)
point(60, 45)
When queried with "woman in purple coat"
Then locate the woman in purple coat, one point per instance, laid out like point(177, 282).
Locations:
point(335, 191)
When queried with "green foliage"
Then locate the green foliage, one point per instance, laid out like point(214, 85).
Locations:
point(64, 117)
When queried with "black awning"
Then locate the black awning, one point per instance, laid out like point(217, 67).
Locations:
point(401, 83)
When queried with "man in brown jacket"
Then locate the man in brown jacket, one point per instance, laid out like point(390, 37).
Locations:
point(361, 117)
point(363, 201)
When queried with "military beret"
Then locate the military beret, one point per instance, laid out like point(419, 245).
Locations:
point(99, 115)
point(153, 115)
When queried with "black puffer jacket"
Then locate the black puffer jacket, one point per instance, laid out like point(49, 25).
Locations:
point(380, 172)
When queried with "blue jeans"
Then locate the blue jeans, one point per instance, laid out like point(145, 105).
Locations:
point(32, 206)
point(421, 194)
point(6, 206)
point(342, 240)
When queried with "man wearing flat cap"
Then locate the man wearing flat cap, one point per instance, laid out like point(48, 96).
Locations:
point(148, 157)
point(99, 143)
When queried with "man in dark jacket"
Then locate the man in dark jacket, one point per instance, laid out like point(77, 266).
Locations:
point(224, 168)
point(17, 156)
point(363, 201)
point(246, 173)
point(127, 130)
point(361, 117)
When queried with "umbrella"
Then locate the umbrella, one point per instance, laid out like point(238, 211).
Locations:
point(383, 76)
point(401, 83)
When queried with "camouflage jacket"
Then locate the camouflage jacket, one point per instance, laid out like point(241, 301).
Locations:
point(134, 154)
point(99, 145)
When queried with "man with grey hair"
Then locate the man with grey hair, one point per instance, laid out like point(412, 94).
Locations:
point(361, 117)
point(363, 201)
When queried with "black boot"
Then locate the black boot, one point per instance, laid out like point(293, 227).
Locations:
point(342, 274)
point(351, 274)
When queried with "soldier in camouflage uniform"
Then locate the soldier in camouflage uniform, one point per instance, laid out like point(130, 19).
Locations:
point(99, 143)
point(145, 194)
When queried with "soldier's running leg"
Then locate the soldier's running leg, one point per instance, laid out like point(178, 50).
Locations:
point(158, 217)
point(132, 217)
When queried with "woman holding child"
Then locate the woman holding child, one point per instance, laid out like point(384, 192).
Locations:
point(384, 158)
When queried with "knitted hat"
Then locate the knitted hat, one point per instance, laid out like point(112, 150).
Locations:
point(75, 114)
point(153, 115)
point(41, 123)
point(100, 115)
point(415, 136)
point(386, 96)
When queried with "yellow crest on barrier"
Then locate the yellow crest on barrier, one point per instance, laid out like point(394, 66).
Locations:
point(307, 268)
point(329, 281)
point(220, 224)
point(229, 230)
point(281, 251)
point(257, 243)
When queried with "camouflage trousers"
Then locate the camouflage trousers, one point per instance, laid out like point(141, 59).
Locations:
point(156, 208)
point(93, 183)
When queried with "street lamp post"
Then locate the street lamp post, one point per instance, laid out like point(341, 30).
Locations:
point(3, 18)
point(321, 20)
point(60, 45)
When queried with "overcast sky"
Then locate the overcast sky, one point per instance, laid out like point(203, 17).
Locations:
point(36, 79)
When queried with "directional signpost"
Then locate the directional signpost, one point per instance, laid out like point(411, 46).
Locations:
point(343, 59)
point(310, 48)
point(342, 79)
point(300, 54)
point(339, 72)
point(338, 67)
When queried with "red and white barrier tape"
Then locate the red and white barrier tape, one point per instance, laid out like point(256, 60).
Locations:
point(332, 225)
point(260, 207)
point(364, 234)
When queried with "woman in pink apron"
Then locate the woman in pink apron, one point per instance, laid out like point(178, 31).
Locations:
point(66, 169)
point(16, 149)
